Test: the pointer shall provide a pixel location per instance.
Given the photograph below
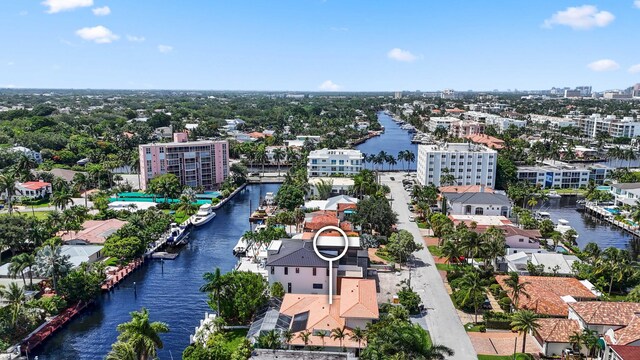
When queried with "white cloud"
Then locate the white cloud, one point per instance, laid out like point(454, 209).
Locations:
point(604, 65)
point(634, 69)
point(134, 38)
point(401, 55)
point(580, 18)
point(165, 49)
point(101, 11)
point(329, 86)
point(637, 4)
point(56, 6)
point(98, 34)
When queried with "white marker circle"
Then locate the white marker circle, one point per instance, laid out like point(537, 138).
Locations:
point(344, 237)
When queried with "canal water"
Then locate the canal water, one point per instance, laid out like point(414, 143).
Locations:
point(392, 142)
point(590, 229)
point(169, 290)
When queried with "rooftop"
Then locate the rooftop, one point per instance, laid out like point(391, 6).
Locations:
point(94, 231)
point(478, 198)
point(331, 203)
point(480, 220)
point(294, 252)
point(626, 352)
point(336, 181)
point(606, 312)
point(557, 330)
point(79, 253)
point(546, 292)
point(465, 189)
point(456, 147)
point(35, 185)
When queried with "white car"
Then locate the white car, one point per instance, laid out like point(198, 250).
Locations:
point(412, 218)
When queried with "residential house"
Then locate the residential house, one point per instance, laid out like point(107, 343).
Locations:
point(93, 232)
point(35, 155)
point(554, 334)
point(339, 185)
point(486, 140)
point(331, 203)
point(626, 193)
point(79, 254)
point(552, 263)
point(30, 190)
point(550, 295)
point(623, 352)
point(478, 203)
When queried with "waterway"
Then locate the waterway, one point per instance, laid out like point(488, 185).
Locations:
point(589, 228)
point(392, 142)
point(169, 289)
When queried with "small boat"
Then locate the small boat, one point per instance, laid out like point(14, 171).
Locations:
point(563, 226)
point(241, 247)
point(177, 235)
point(553, 195)
point(203, 216)
point(269, 198)
point(542, 215)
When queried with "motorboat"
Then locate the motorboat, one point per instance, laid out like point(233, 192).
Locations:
point(542, 215)
point(177, 234)
point(203, 216)
point(269, 198)
point(241, 247)
point(563, 226)
point(553, 195)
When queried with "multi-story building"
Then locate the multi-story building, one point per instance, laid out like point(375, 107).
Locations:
point(441, 122)
point(328, 162)
point(596, 123)
point(470, 164)
point(35, 155)
point(463, 128)
point(552, 121)
point(563, 175)
point(195, 163)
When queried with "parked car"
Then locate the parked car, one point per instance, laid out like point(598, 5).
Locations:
point(412, 218)
point(487, 304)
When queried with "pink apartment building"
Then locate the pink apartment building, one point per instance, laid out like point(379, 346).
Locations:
point(195, 163)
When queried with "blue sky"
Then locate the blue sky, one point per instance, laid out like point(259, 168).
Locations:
point(308, 45)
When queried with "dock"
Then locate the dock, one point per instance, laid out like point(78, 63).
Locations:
point(121, 274)
point(601, 213)
point(164, 255)
point(48, 328)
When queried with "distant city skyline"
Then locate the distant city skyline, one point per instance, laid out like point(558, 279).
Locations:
point(319, 45)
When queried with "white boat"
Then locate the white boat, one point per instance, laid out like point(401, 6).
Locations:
point(269, 198)
point(177, 234)
point(241, 247)
point(563, 226)
point(553, 195)
point(203, 216)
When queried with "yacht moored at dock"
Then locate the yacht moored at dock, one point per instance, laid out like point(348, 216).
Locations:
point(177, 234)
point(203, 216)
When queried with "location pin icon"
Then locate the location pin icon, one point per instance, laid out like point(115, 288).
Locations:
point(345, 238)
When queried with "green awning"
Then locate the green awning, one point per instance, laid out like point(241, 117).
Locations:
point(602, 344)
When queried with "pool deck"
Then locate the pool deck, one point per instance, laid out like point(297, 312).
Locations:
point(602, 213)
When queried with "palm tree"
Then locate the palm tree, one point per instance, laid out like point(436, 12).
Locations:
point(61, 198)
point(452, 251)
point(402, 155)
point(472, 288)
point(214, 284)
point(23, 167)
point(524, 322)
point(304, 336)
point(27, 261)
point(391, 161)
point(592, 250)
point(495, 245)
point(134, 163)
point(14, 297)
point(50, 262)
point(288, 336)
point(122, 351)
point(577, 340)
point(8, 187)
point(270, 340)
point(81, 183)
point(324, 188)
point(142, 335)
point(322, 335)
point(338, 334)
point(516, 287)
point(357, 334)
point(411, 158)
point(278, 156)
point(614, 263)
point(16, 267)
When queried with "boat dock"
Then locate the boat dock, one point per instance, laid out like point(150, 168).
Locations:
point(602, 213)
point(48, 328)
point(164, 255)
point(121, 274)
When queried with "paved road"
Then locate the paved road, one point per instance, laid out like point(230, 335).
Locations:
point(441, 319)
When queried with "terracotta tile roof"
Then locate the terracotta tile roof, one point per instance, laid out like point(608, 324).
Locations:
point(545, 293)
point(320, 221)
point(455, 111)
point(343, 207)
point(358, 299)
point(630, 333)
point(94, 231)
point(465, 188)
point(346, 226)
point(626, 352)
point(487, 140)
point(606, 312)
point(256, 135)
point(35, 185)
point(557, 330)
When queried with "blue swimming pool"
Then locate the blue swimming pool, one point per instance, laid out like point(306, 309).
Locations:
point(613, 211)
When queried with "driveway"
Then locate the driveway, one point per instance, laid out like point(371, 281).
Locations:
point(441, 319)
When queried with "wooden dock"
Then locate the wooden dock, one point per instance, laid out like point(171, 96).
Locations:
point(601, 213)
point(50, 327)
point(121, 274)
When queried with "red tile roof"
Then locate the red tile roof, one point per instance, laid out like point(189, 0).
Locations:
point(487, 140)
point(320, 221)
point(630, 333)
point(606, 312)
point(545, 293)
point(346, 206)
point(626, 352)
point(557, 330)
point(35, 185)
point(465, 188)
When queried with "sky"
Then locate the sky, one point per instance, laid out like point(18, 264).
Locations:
point(319, 45)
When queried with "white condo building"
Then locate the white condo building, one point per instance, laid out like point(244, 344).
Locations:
point(327, 162)
point(470, 164)
point(626, 127)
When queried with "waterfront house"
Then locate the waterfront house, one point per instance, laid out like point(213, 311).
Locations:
point(331, 203)
point(554, 334)
point(626, 193)
point(93, 232)
point(79, 254)
point(551, 295)
point(355, 306)
point(552, 263)
point(329, 162)
point(339, 185)
point(30, 190)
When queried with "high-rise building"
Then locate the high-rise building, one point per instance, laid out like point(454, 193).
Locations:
point(470, 164)
point(195, 163)
point(328, 162)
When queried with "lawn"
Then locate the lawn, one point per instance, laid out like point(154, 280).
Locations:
point(40, 215)
point(235, 337)
point(471, 327)
point(445, 267)
point(435, 250)
point(382, 254)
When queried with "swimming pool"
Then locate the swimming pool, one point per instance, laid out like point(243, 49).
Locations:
point(613, 211)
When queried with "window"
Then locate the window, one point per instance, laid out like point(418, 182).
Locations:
point(521, 240)
point(147, 150)
point(297, 270)
point(286, 271)
point(314, 271)
point(327, 271)
point(479, 211)
point(273, 270)
point(317, 286)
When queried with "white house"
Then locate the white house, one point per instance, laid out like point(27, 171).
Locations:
point(470, 164)
point(30, 190)
point(626, 193)
point(478, 203)
point(35, 155)
point(339, 185)
point(328, 162)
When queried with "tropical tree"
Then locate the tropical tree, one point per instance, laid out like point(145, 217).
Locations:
point(9, 188)
point(50, 262)
point(214, 284)
point(472, 289)
point(62, 197)
point(615, 264)
point(288, 335)
point(338, 334)
point(524, 322)
point(324, 188)
point(15, 298)
point(358, 335)
point(122, 351)
point(278, 156)
point(305, 336)
point(516, 287)
point(270, 340)
point(81, 184)
point(142, 335)
point(322, 335)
